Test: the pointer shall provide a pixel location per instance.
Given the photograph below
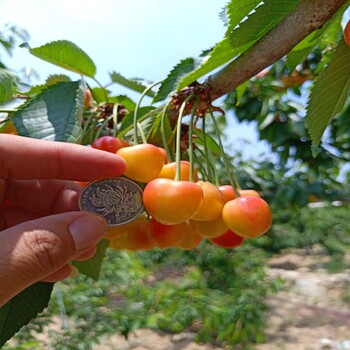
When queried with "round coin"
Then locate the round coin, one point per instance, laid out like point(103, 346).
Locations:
point(117, 199)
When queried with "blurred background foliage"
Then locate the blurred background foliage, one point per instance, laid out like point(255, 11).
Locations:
point(217, 293)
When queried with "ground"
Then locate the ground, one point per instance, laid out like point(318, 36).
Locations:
point(311, 312)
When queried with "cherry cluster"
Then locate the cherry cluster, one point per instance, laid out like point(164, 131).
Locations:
point(180, 212)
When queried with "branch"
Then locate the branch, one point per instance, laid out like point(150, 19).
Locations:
point(308, 16)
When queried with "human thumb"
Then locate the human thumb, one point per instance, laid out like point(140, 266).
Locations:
point(35, 249)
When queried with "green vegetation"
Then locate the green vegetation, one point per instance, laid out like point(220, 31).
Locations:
point(220, 294)
point(327, 227)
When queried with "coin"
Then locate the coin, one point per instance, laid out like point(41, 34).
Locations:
point(117, 199)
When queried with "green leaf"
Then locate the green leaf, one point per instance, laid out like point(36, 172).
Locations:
point(100, 94)
point(54, 114)
point(148, 126)
point(57, 78)
point(261, 21)
point(127, 102)
point(240, 90)
point(237, 10)
point(300, 51)
point(239, 38)
point(209, 142)
point(34, 90)
point(221, 54)
point(6, 86)
point(51, 80)
point(66, 54)
point(329, 94)
point(22, 308)
point(147, 122)
point(266, 121)
point(131, 84)
point(155, 133)
point(92, 267)
point(326, 35)
point(169, 85)
point(128, 121)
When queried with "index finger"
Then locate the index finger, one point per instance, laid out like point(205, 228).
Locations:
point(26, 158)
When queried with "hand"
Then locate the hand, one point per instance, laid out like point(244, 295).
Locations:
point(41, 227)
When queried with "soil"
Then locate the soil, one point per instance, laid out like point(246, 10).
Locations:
point(311, 312)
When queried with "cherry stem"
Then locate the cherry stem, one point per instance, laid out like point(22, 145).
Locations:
point(214, 170)
point(202, 168)
point(115, 119)
point(231, 176)
point(102, 126)
point(126, 130)
point(143, 136)
point(190, 140)
point(164, 138)
point(178, 138)
point(8, 110)
point(92, 127)
point(86, 125)
point(206, 153)
point(93, 94)
point(138, 106)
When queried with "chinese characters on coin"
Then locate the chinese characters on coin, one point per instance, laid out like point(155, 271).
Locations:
point(117, 199)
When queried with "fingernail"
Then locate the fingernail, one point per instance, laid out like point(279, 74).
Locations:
point(87, 230)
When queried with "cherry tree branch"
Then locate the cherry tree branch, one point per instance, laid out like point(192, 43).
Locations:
point(308, 16)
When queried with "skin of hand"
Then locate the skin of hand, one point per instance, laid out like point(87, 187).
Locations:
point(41, 227)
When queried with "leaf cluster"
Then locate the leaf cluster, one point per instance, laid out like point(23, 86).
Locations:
point(218, 292)
point(250, 22)
point(325, 227)
point(275, 104)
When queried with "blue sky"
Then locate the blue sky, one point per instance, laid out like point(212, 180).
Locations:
point(137, 38)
